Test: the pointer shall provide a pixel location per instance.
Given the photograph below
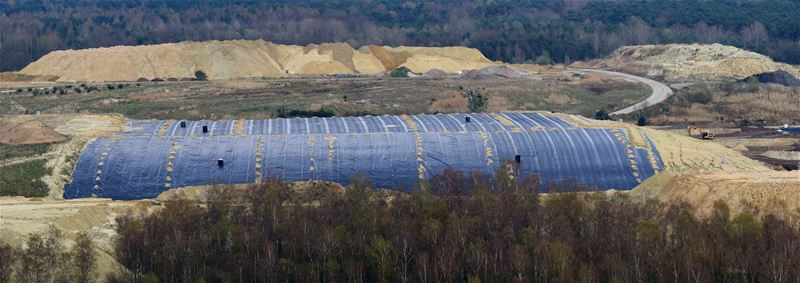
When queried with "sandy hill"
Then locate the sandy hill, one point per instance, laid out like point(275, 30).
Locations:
point(246, 58)
point(27, 132)
point(687, 62)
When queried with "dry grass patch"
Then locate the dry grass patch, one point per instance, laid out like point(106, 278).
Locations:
point(509, 89)
point(560, 99)
point(449, 102)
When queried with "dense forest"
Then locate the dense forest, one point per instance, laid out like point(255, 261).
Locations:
point(457, 229)
point(508, 30)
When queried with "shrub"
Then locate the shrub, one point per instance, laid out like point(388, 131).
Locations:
point(476, 101)
point(200, 75)
point(728, 86)
point(401, 72)
point(744, 123)
point(543, 59)
point(700, 93)
point(642, 121)
point(601, 115)
point(322, 112)
point(753, 84)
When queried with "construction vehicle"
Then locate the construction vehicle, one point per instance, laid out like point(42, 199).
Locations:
point(704, 134)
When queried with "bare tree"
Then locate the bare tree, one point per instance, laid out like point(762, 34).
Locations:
point(8, 259)
point(83, 259)
point(754, 36)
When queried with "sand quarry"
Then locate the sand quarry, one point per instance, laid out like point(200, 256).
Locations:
point(697, 172)
point(246, 59)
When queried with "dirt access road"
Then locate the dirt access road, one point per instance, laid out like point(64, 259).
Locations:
point(660, 91)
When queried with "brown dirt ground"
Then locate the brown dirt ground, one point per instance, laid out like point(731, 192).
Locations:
point(27, 132)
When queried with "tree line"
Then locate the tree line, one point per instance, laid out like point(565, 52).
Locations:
point(46, 259)
point(508, 30)
point(459, 229)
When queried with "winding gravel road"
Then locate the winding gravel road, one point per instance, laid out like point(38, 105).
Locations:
point(660, 91)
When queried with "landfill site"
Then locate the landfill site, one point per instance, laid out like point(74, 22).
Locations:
point(110, 149)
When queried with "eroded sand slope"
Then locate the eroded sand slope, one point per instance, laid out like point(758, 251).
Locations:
point(246, 58)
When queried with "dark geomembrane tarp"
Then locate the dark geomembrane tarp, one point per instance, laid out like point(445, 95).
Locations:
point(151, 156)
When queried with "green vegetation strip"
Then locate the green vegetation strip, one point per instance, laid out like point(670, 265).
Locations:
point(25, 150)
point(24, 179)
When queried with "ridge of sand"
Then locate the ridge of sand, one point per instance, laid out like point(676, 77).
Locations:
point(776, 192)
point(246, 59)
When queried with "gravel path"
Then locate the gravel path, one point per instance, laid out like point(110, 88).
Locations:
point(660, 91)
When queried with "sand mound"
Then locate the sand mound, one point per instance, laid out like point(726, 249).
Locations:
point(768, 192)
point(245, 58)
point(27, 132)
point(681, 62)
point(449, 59)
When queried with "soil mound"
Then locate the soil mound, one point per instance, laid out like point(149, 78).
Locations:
point(435, 74)
point(28, 132)
point(498, 72)
point(682, 62)
point(245, 59)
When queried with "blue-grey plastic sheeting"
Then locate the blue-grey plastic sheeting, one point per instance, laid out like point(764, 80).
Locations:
point(149, 157)
point(791, 130)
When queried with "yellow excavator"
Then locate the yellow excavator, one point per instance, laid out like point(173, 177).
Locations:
point(704, 134)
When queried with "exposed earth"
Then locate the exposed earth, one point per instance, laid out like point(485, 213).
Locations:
point(246, 59)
